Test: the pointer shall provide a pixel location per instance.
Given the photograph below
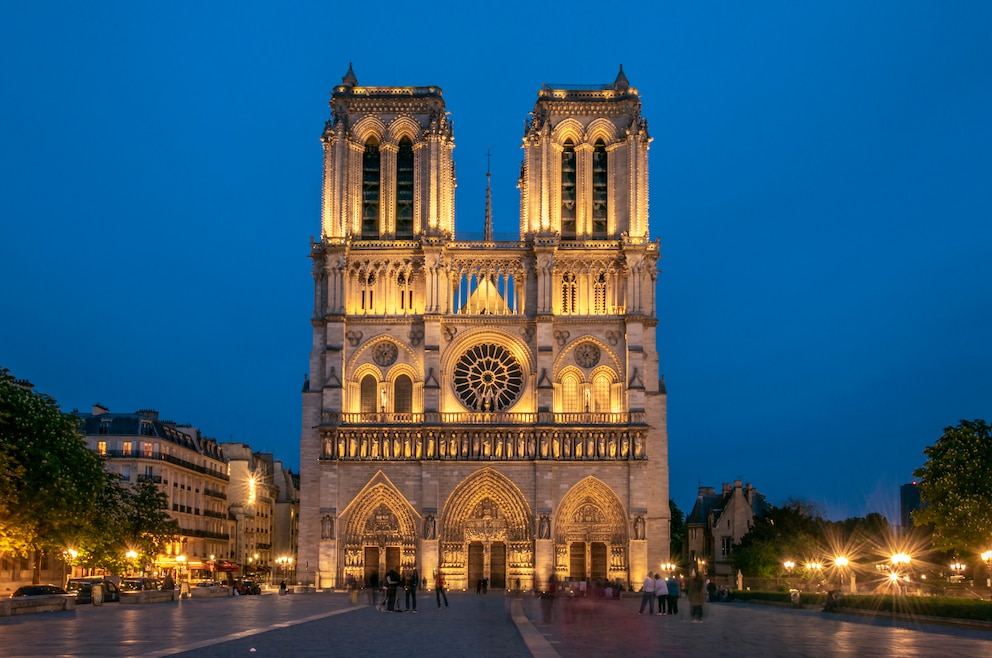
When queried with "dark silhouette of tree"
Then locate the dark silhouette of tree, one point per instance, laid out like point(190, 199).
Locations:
point(677, 530)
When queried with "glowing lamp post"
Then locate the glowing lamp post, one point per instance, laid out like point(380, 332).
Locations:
point(957, 569)
point(987, 559)
point(130, 556)
point(789, 566)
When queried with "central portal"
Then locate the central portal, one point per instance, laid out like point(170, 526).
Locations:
point(476, 563)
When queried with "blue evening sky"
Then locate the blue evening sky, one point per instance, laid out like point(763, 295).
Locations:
point(821, 180)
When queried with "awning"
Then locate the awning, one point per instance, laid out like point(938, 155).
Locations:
point(222, 566)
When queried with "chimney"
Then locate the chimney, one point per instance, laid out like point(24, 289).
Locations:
point(99, 409)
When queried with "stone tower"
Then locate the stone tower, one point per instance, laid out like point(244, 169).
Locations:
point(486, 408)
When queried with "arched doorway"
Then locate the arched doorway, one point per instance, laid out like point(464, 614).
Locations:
point(380, 532)
point(485, 521)
point(591, 534)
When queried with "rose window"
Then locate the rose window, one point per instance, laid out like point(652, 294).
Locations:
point(488, 378)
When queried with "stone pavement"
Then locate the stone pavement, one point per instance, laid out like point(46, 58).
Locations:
point(598, 627)
point(326, 625)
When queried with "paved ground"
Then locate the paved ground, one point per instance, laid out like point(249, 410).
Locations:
point(325, 624)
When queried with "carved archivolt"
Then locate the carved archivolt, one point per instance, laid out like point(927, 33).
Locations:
point(380, 516)
point(486, 506)
point(569, 353)
point(591, 511)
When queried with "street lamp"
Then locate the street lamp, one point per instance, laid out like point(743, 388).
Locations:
point(130, 556)
point(789, 566)
point(987, 559)
point(957, 569)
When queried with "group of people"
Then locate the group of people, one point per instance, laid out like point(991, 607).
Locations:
point(391, 585)
point(666, 591)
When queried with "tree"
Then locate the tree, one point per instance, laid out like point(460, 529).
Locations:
point(50, 480)
point(677, 532)
point(780, 533)
point(956, 487)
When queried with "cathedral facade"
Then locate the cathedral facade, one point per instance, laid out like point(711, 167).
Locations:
point(484, 408)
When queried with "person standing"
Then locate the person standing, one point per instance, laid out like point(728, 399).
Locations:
point(697, 596)
point(439, 589)
point(661, 592)
point(647, 595)
point(412, 581)
point(392, 581)
point(674, 591)
point(372, 588)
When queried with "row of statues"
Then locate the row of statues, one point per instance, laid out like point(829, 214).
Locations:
point(486, 444)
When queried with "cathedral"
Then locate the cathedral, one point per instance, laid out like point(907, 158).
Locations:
point(484, 408)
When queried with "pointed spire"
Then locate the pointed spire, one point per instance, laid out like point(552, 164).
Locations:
point(621, 84)
point(349, 79)
point(489, 200)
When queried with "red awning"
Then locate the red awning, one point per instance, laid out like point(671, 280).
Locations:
point(223, 566)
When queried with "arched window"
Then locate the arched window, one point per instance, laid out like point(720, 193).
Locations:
point(371, 182)
point(601, 394)
point(568, 293)
point(369, 387)
point(599, 294)
point(599, 190)
point(368, 287)
point(404, 189)
point(568, 178)
point(403, 395)
point(570, 394)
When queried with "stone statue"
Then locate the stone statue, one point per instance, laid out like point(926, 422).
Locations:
point(639, 527)
point(544, 528)
point(327, 527)
point(430, 529)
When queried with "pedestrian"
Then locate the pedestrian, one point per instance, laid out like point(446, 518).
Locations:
point(697, 596)
point(392, 582)
point(411, 589)
point(485, 585)
point(647, 595)
point(661, 592)
point(672, 584)
point(439, 589)
point(372, 588)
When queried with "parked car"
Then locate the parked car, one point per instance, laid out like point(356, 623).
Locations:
point(82, 589)
point(37, 590)
point(140, 584)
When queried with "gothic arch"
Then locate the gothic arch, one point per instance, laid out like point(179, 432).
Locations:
point(568, 129)
point(567, 353)
point(591, 511)
point(404, 126)
point(369, 126)
point(379, 515)
point(486, 492)
point(507, 339)
point(362, 357)
point(601, 129)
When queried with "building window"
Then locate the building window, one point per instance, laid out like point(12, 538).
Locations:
point(570, 394)
point(101, 447)
point(371, 182)
point(146, 450)
point(104, 427)
point(126, 473)
point(599, 189)
point(368, 394)
point(126, 448)
point(403, 395)
point(599, 294)
point(601, 393)
point(404, 189)
point(405, 292)
point(568, 178)
point(726, 545)
point(568, 293)
point(368, 282)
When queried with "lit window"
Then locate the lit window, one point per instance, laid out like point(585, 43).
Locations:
point(570, 394)
point(601, 393)
point(146, 450)
point(403, 395)
point(101, 447)
point(368, 393)
point(599, 294)
point(126, 448)
point(568, 293)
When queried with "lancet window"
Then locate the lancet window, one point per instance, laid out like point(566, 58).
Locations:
point(487, 288)
point(404, 189)
point(368, 291)
point(371, 190)
point(599, 294)
point(369, 388)
point(405, 292)
point(599, 190)
point(568, 191)
point(403, 395)
point(601, 386)
point(570, 394)
point(568, 293)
